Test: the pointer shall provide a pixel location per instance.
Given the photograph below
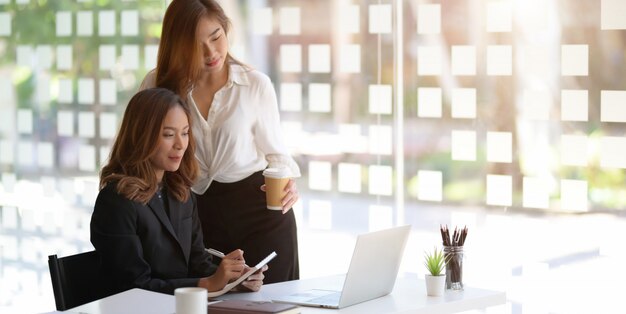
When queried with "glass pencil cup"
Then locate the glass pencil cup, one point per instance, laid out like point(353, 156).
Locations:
point(454, 267)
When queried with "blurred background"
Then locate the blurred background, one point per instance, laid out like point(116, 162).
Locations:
point(506, 116)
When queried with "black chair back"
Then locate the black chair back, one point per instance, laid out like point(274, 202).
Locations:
point(76, 279)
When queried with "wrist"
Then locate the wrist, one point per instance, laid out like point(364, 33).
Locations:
point(212, 283)
point(204, 283)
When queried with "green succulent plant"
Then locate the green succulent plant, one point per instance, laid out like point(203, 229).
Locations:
point(435, 262)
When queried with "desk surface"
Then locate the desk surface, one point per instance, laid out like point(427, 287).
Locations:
point(408, 296)
point(128, 302)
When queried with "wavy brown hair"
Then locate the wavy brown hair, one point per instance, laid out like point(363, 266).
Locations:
point(179, 61)
point(137, 140)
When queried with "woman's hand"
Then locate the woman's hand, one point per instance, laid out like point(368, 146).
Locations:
point(254, 282)
point(290, 198)
point(231, 267)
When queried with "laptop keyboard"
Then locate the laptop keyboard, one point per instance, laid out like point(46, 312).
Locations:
point(330, 299)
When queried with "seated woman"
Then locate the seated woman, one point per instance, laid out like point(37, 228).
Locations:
point(145, 221)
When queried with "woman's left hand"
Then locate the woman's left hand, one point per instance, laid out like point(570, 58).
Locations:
point(254, 282)
point(291, 197)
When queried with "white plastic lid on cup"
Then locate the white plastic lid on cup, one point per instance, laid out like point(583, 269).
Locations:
point(277, 173)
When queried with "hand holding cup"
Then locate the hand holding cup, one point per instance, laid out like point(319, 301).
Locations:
point(280, 189)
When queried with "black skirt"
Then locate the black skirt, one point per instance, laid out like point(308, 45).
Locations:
point(235, 216)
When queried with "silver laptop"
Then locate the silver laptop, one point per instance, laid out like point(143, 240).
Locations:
point(372, 273)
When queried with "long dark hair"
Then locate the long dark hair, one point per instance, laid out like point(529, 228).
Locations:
point(179, 61)
point(129, 163)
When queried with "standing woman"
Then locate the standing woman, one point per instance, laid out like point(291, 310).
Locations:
point(237, 131)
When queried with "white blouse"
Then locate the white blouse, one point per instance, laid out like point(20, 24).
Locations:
point(242, 133)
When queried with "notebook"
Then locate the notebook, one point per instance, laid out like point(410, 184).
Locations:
point(372, 272)
point(251, 307)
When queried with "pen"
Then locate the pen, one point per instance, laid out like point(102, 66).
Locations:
point(215, 252)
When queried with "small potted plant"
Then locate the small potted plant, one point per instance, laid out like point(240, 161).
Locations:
point(435, 263)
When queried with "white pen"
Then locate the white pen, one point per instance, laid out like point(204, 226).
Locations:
point(215, 252)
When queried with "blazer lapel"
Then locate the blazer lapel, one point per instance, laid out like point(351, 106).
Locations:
point(175, 217)
point(174, 213)
point(157, 207)
point(172, 225)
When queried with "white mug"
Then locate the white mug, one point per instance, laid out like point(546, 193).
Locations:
point(191, 300)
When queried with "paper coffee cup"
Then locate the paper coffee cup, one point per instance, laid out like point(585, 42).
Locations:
point(276, 180)
point(191, 300)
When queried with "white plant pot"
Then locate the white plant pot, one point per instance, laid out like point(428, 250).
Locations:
point(435, 285)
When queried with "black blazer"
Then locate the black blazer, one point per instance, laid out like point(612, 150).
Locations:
point(142, 248)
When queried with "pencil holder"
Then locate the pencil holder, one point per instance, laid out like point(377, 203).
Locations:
point(454, 267)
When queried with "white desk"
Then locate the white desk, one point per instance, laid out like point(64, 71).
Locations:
point(408, 296)
point(132, 301)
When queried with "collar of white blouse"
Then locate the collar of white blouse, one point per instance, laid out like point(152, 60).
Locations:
point(236, 75)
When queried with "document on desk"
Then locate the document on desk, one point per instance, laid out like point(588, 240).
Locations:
point(252, 307)
point(243, 277)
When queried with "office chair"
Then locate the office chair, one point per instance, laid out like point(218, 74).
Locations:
point(76, 279)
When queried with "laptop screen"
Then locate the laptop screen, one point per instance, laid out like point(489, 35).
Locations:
point(372, 273)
